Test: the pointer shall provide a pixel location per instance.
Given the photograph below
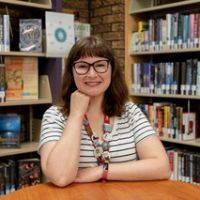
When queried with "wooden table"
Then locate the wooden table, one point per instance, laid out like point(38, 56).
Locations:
point(155, 190)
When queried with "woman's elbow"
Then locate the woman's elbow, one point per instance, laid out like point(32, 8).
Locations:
point(165, 171)
point(61, 181)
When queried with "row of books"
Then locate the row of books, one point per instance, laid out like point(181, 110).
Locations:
point(30, 34)
point(185, 165)
point(172, 31)
point(19, 78)
point(167, 78)
point(17, 174)
point(171, 121)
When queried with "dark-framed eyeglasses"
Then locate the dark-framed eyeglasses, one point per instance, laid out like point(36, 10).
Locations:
point(100, 66)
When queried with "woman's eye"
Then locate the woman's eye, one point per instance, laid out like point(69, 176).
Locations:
point(82, 66)
point(99, 65)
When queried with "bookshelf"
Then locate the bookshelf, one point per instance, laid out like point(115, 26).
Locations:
point(153, 41)
point(45, 97)
point(40, 4)
point(137, 10)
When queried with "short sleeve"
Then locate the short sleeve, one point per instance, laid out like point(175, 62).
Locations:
point(52, 126)
point(141, 126)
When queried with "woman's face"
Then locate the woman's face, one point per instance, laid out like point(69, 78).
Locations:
point(91, 82)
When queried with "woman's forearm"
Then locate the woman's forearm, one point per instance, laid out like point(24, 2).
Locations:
point(62, 162)
point(146, 169)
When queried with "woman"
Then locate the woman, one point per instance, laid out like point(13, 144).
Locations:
point(96, 132)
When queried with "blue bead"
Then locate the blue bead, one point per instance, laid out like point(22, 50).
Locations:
point(107, 128)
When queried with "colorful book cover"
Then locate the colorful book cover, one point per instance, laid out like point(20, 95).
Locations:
point(29, 172)
point(30, 35)
point(59, 33)
point(21, 78)
point(10, 127)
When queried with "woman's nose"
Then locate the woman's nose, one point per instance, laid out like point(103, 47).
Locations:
point(91, 71)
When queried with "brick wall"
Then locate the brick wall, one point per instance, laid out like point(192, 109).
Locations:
point(106, 18)
point(77, 7)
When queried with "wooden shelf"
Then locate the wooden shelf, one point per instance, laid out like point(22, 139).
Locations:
point(194, 143)
point(177, 96)
point(25, 102)
point(27, 147)
point(137, 10)
point(42, 4)
point(20, 53)
point(171, 51)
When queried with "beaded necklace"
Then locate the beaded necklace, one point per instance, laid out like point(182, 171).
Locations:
point(101, 146)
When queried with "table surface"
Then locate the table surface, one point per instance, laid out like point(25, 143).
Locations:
point(144, 190)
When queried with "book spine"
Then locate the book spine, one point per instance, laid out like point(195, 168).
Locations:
point(1, 33)
point(191, 31)
point(198, 79)
point(183, 78)
point(194, 76)
point(6, 31)
point(2, 83)
point(188, 76)
point(185, 31)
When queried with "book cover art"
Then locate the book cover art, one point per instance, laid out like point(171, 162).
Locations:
point(21, 78)
point(81, 30)
point(10, 130)
point(29, 172)
point(59, 33)
point(30, 35)
point(189, 126)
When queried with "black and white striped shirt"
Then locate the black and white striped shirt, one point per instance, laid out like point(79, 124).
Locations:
point(128, 130)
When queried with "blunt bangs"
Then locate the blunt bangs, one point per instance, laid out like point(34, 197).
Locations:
point(91, 47)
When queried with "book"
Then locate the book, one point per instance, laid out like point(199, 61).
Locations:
point(10, 127)
point(2, 83)
point(9, 174)
point(30, 35)
point(81, 30)
point(198, 79)
point(21, 78)
point(183, 78)
point(1, 33)
point(29, 172)
point(59, 33)
point(189, 76)
point(194, 76)
point(2, 180)
point(189, 126)
point(6, 32)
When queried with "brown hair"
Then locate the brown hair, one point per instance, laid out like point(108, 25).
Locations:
point(117, 93)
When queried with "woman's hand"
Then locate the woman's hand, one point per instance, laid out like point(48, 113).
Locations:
point(79, 103)
point(90, 174)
